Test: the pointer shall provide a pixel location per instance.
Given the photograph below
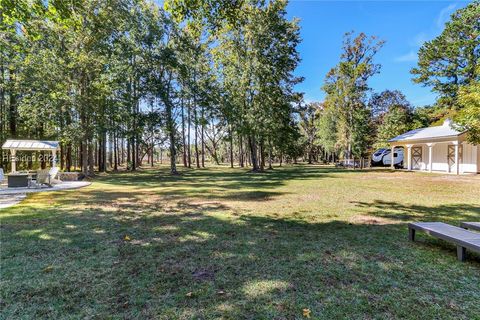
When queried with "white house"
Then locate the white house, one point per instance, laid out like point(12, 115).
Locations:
point(438, 149)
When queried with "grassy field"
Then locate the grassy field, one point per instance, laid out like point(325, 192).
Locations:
point(225, 244)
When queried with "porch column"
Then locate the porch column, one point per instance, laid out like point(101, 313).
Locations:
point(54, 158)
point(430, 157)
point(392, 158)
point(409, 156)
point(14, 160)
point(457, 165)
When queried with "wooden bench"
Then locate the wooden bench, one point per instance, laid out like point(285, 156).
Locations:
point(462, 238)
point(471, 225)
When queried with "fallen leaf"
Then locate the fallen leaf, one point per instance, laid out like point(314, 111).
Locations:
point(306, 313)
point(189, 294)
point(127, 238)
point(48, 269)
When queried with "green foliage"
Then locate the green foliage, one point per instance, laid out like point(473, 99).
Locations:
point(256, 61)
point(84, 71)
point(392, 116)
point(468, 118)
point(346, 86)
point(449, 61)
point(395, 122)
point(327, 129)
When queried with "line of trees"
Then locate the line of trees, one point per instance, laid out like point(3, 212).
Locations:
point(117, 80)
point(124, 82)
point(353, 120)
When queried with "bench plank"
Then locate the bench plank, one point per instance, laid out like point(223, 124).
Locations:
point(462, 238)
point(471, 225)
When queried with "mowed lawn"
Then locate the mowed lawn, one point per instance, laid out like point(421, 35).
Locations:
point(222, 243)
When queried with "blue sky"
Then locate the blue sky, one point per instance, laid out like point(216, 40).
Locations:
point(404, 25)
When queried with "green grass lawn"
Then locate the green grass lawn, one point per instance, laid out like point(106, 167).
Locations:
point(225, 244)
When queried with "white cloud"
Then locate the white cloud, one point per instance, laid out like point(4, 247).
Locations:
point(444, 15)
point(409, 57)
point(419, 39)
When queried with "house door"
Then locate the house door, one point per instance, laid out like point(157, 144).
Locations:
point(416, 158)
point(451, 157)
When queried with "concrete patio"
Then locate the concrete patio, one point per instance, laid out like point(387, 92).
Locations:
point(12, 196)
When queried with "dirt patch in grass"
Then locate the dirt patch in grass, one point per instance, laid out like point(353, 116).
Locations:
point(362, 219)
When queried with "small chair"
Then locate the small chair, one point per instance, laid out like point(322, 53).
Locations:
point(43, 179)
point(46, 178)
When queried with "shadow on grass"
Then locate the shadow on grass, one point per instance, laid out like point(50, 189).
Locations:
point(218, 184)
point(454, 213)
point(236, 178)
point(185, 260)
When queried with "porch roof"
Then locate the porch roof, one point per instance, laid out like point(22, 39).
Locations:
point(31, 145)
point(438, 132)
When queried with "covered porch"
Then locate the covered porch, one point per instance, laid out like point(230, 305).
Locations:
point(438, 149)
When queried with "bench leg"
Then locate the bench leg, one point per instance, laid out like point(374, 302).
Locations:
point(411, 234)
point(461, 253)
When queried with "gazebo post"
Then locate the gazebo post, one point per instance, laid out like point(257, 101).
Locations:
point(14, 160)
point(54, 158)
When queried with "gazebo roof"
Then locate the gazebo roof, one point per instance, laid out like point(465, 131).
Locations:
point(30, 145)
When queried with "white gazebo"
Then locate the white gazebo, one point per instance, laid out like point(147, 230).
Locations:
point(30, 145)
point(438, 149)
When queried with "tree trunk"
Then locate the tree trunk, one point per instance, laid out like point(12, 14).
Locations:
point(104, 152)
point(115, 151)
point(202, 135)
point(3, 112)
point(91, 159)
point(84, 157)
point(185, 164)
point(98, 154)
point(189, 120)
point(68, 158)
point(231, 148)
point(165, 96)
point(197, 158)
point(133, 157)
point(171, 135)
point(128, 154)
point(253, 153)
point(13, 106)
point(240, 151)
point(270, 155)
point(110, 153)
point(262, 156)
